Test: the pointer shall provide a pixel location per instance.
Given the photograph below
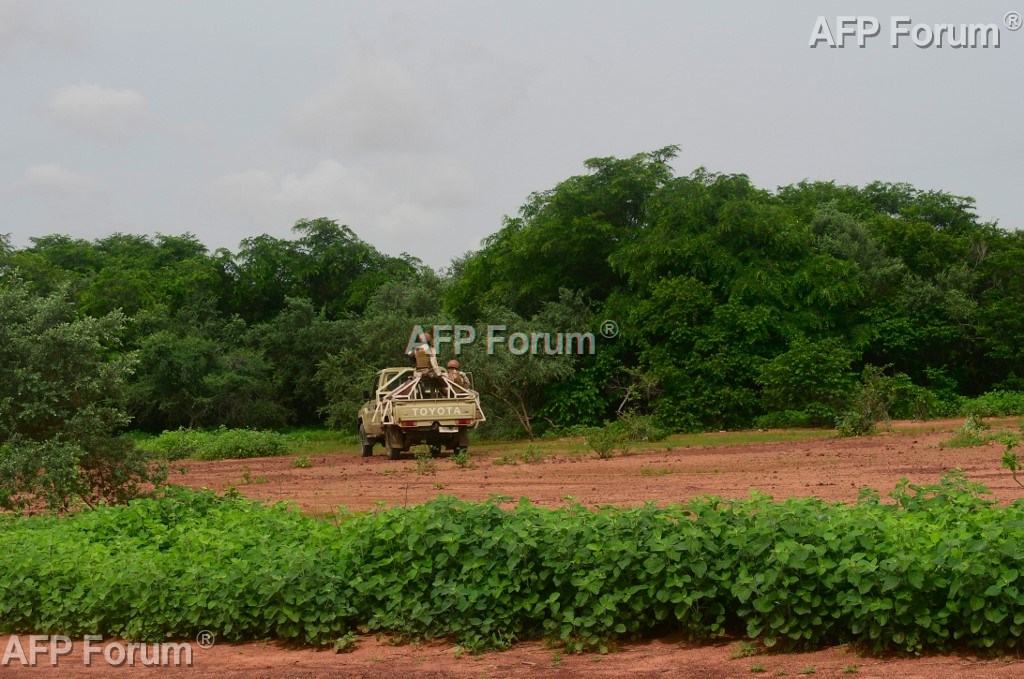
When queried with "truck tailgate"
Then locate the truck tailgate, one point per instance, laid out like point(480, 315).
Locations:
point(444, 411)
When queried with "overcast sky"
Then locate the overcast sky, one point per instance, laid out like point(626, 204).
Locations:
point(420, 124)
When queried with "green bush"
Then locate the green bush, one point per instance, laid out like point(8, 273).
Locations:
point(603, 440)
point(879, 397)
point(969, 435)
point(995, 404)
point(785, 419)
point(618, 436)
point(640, 428)
point(855, 423)
point(938, 568)
point(62, 387)
point(219, 444)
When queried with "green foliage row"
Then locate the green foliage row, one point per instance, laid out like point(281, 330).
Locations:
point(735, 302)
point(939, 567)
point(737, 305)
point(218, 444)
point(997, 403)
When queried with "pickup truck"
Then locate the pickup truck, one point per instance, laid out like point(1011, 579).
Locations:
point(404, 409)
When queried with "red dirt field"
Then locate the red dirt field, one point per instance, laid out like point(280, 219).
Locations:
point(657, 658)
point(833, 469)
point(829, 468)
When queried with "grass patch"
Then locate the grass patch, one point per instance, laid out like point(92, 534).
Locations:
point(531, 453)
point(733, 438)
point(743, 649)
point(970, 435)
point(511, 452)
point(321, 441)
point(657, 471)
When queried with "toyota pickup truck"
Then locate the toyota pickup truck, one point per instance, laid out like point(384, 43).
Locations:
point(405, 408)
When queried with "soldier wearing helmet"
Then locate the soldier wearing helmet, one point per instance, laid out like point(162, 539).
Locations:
point(457, 376)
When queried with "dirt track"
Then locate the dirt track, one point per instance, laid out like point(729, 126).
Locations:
point(834, 469)
point(829, 468)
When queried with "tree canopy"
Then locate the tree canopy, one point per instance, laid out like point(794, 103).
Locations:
point(736, 303)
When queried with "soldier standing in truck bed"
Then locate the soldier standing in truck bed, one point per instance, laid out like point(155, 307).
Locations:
point(425, 363)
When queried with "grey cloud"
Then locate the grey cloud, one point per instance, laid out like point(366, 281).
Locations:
point(105, 113)
point(56, 179)
point(27, 25)
point(402, 206)
point(374, 105)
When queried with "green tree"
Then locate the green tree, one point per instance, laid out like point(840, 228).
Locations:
point(813, 377)
point(563, 238)
point(515, 385)
point(294, 343)
point(63, 381)
point(374, 340)
point(196, 371)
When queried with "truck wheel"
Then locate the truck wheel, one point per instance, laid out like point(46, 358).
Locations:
point(393, 441)
point(365, 443)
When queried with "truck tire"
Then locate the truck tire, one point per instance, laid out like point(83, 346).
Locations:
point(364, 443)
point(393, 441)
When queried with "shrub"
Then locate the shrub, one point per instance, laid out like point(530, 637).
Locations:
point(878, 397)
point(969, 435)
point(640, 428)
point(219, 444)
point(424, 462)
point(855, 423)
point(617, 436)
point(785, 419)
point(63, 383)
point(995, 404)
point(810, 374)
point(1011, 460)
point(603, 440)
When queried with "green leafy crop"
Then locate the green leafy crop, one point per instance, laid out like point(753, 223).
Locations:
point(939, 566)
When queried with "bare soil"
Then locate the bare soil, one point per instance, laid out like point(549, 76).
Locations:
point(829, 468)
point(667, 657)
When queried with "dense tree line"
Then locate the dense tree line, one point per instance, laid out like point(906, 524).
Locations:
point(736, 304)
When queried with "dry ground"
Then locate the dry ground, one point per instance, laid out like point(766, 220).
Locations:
point(714, 464)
